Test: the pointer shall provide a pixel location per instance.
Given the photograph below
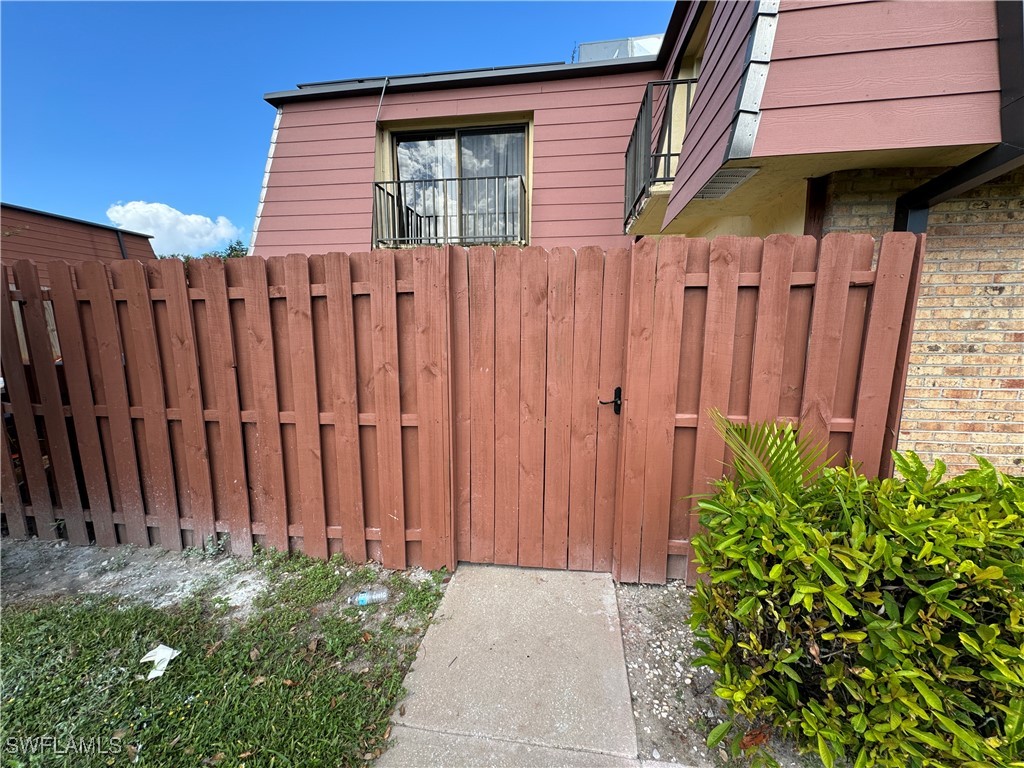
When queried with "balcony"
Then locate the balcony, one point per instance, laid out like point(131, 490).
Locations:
point(480, 210)
point(653, 152)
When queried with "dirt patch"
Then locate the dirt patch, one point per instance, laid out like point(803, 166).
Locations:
point(37, 569)
point(674, 703)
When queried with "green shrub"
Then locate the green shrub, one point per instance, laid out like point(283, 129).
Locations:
point(875, 621)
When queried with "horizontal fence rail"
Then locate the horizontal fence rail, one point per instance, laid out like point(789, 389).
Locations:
point(425, 406)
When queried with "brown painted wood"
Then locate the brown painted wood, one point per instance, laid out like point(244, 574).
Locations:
point(636, 398)
point(507, 343)
point(162, 498)
point(558, 422)
point(770, 334)
point(586, 368)
point(661, 414)
point(613, 337)
point(13, 506)
point(533, 366)
point(902, 363)
point(881, 342)
point(719, 334)
point(94, 279)
point(59, 447)
point(430, 270)
point(827, 319)
point(307, 409)
point(24, 421)
point(481, 362)
point(186, 372)
point(341, 318)
point(209, 274)
point(384, 312)
point(76, 375)
point(461, 398)
point(267, 481)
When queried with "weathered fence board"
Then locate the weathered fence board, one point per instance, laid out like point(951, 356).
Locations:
point(421, 407)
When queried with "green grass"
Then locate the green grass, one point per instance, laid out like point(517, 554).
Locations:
point(305, 681)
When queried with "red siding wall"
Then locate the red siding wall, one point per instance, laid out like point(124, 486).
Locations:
point(714, 103)
point(318, 194)
point(42, 238)
point(880, 75)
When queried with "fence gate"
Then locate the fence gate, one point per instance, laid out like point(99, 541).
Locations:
point(425, 406)
point(547, 471)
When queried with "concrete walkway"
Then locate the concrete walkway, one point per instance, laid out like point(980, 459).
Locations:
point(520, 668)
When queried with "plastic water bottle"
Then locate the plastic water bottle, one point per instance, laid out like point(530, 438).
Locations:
point(369, 596)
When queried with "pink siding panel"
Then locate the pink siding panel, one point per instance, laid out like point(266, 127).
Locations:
point(319, 188)
point(714, 104)
point(880, 26)
point(935, 70)
point(882, 75)
point(932, 122)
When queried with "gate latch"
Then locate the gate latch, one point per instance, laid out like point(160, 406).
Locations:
point(616, 401)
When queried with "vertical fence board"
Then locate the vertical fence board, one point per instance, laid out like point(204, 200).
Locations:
point(533, 322)
point(384, 312)
point(430, 291)
point(115, 389)
point(268, 478)
point(13, 506)
point(76, 375)
point(186, 369)
point(770, 333)
point(461, 398)
point(719, 332)
point(210, 274)
point(162, 500)
point(902, 363)
point(307, 408)
point(828, 314)
point(507, 312)
point(24, 421)
point(629, 497)
point(481, 361)
point(43, 364)
point(586, 366)
point(885, 318)
point(661, 419)
point(613, 329)
point(340, 315)
point(561, 291)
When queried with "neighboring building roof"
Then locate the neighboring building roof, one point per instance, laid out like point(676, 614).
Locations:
point(42, 237)
point(76, 221)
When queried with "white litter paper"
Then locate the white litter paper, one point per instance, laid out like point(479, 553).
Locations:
point(159, 656)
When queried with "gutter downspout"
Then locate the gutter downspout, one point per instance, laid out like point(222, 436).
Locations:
point(120, 244)
point(912, 208)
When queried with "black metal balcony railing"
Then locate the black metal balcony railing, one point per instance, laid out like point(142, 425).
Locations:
point(656, 140)
point(477, 210)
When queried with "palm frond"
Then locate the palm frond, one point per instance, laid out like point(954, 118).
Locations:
point(773, 455)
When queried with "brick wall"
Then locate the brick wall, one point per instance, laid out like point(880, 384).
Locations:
point(965, 389)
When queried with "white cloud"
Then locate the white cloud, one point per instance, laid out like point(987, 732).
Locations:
point(172, 230)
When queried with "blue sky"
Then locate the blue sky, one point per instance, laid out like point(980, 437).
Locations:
point(114, 103)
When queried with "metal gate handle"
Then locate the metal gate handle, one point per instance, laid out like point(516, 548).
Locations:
point(615, 401)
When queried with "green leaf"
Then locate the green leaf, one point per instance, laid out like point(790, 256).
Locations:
point(991, 573)
point(929, 696)
point(718, 733)
point(826, 754)
point(833, 573)
point(840, 602)
point(745, 606)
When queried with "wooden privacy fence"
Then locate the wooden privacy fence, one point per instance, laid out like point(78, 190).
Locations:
point(421, 407)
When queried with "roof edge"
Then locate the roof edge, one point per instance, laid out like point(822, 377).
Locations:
point(461, 79)
point(76, 221)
